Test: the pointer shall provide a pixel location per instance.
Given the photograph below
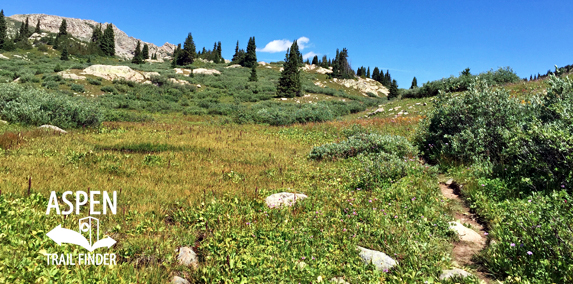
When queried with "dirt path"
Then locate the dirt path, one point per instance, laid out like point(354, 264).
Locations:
point(464, 250)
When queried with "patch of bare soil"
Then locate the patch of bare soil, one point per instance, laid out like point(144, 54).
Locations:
point(464, 251)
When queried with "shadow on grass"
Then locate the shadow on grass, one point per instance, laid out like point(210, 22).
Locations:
point(142, 148)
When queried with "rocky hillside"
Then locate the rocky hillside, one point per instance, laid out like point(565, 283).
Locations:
point(82, 29)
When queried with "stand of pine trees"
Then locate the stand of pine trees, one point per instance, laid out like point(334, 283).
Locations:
point(340, 67)
point(289, 85)
point(187, 55)
point(137, 54)
point(248, 58)
point(214, 55)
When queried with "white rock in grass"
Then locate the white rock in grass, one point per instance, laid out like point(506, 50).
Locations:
point(466, 234)
point(187, 257)
point(3, 122)
point(179, 280)
point(338, 280)
point(283, 198)
point(379, 259)
point(2, 56)
point(55, 128)
point(456, 272)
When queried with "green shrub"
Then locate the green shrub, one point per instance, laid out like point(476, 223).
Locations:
point(94, 82)
point(51, 85)
point(29, 78)
point(78, 88)
point(108, 89)
point(365, 143)
point(58, 68)
point(36, 107)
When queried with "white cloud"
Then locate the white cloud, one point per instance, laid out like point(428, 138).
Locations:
point(308, 55)
point(281, 45)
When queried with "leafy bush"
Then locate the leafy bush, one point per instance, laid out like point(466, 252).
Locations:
point(365, 143)
point(78, 88)
point(530, 143)
point(108, 89)
point(94, 82)
point(51, 85)
point(36, 107)
point(462, 83)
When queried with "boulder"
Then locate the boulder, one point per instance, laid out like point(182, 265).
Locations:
point(178, 81)
point(179, 280)
point(187, 257)
point(206, 71)
point(234, 66)
point(54, 128)
point(262, 63)
point(466, 234)
point(227, 61)
point(449, 182)
point(69, 75)
point(110, 72)
point(456, 272)
point(379, 259)
point(283, 198)
point(2, 56)
point(3, 122)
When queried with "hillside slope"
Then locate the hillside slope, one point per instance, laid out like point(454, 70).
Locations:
point(82, 29)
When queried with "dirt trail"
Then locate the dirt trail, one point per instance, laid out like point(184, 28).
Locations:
point(464, 250)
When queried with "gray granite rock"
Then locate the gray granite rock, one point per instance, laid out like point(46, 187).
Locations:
point(187, 257)
point(179, 280)
point(456, 272)
point(283, 199)
point(379, 259)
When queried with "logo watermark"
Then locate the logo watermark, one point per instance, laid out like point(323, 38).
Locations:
point(88, 234)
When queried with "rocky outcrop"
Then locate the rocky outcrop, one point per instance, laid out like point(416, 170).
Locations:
point(179, 280)
point(196, 71)
point(82, 29)
point(466, 234)
point(109, 72)
point(364, 85)
point(3, 57)
point(315, 68)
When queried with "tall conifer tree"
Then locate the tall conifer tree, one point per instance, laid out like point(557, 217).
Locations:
point(137, 56)
point(289, 83)
point(315, 60)
point(63, 28)
point(108, 41)
point(253, 77)
point(188, 54)
point(414, 83)
point(145, 52)
point(251, 56)
point(37, 30)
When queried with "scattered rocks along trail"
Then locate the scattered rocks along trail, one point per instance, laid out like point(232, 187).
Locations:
point(470, 244)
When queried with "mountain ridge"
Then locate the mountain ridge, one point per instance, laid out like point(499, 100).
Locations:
point(83, 28)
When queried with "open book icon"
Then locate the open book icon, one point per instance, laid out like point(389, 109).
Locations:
point(62, 235)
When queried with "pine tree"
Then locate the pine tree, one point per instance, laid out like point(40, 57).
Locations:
point(376, 74)
point(145, 52)
point(137, 55)
point(393, 90)
point(340, 66)
point(108, 41)
point(64, 52)
point(289, 82)
point(37, 30)
point(188, 54)
point(368, 72)
point(63, 28)
point(220, 53)
point(97, 34)
point(335, 66)
point(253, 77)
point(324, 62)
point(414, 83)
point(3, 34)
point(176, 55)
point(26, 28)
point(251, 56)
point(315, 60)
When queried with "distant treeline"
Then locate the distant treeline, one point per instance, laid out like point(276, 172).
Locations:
point(461, 83)
point(558, 72)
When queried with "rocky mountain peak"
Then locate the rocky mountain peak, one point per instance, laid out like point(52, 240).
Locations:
point(82, 29)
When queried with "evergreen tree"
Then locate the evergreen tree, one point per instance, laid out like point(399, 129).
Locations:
point(37, 30)
point(145, 52)
point(530, 77)
point(335, 67)
point(63, 28)
point(251, 56)
point(108, 41)
point(239, 56)
point(340, 66)
point(26, 28)
point(324, 62)
point(220, 53)
point(289, 82)
point(137, 55)
point(3, 32)
point(315, 60)
point(393, 90)
point(368, 72)
point(97, 34)
point(253, 77)
point(21, 33)
point(188, 54)
point(414, 83)
point(64, 52)
point(176, 55)
point(376, 74)
point(359, 72)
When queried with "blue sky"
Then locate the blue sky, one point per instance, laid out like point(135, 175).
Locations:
point(426, 39)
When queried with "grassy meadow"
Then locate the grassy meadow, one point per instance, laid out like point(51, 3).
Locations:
point(192, 166)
